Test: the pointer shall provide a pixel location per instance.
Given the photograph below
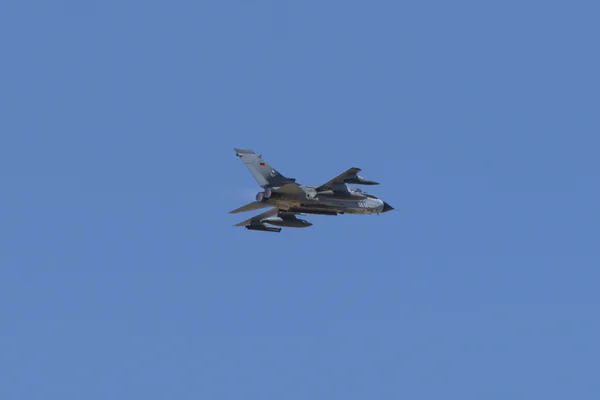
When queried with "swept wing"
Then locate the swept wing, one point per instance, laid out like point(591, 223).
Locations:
point(257, 218)
point(348, 176)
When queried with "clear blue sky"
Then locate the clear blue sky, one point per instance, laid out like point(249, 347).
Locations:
point(122, 277)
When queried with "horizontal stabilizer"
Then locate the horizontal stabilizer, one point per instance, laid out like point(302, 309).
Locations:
point(290, 188)
point(255, 205)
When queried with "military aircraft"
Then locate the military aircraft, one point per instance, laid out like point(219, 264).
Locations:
point(289, 198)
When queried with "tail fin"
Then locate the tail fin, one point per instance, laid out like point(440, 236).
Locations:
point(265, 175)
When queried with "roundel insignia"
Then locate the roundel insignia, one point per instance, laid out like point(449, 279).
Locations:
point(272, 172)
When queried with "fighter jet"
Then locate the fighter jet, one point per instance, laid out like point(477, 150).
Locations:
point(289, 198)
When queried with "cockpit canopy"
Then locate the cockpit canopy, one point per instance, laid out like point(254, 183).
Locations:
point(357, 190)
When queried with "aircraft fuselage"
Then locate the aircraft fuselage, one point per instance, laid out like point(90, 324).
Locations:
point(327, 203)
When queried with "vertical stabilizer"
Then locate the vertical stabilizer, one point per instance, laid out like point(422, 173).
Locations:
point(265, 175)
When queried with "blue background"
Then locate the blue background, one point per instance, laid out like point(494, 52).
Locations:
point(122, 276)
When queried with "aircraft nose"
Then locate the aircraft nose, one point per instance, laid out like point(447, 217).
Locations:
point(386, 207)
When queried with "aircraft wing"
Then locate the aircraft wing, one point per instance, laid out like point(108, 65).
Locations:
point(349, 176)
point(257, 218)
